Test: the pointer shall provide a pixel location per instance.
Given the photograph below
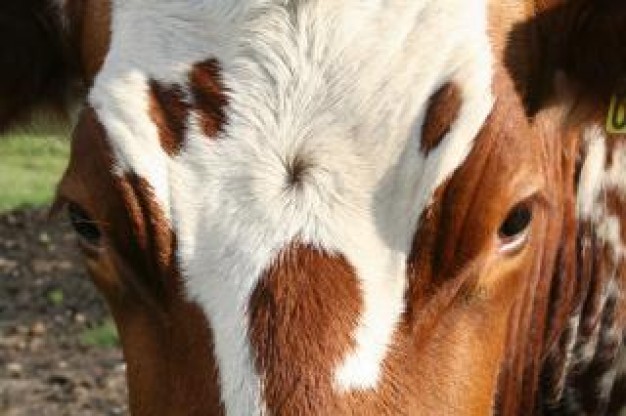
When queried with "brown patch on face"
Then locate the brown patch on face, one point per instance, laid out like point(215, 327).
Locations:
point(443, 109)
point(169, 111)
point(301, 316)
point(166, 339)
point(209, 96)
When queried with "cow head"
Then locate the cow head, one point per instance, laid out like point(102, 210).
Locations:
point(309, 207)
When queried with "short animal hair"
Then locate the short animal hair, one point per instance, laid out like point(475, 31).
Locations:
point(38, 66)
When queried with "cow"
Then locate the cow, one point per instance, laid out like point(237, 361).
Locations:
point(320, 207)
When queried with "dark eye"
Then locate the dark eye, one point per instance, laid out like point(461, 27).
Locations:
point(514, 230)
point(84, 225)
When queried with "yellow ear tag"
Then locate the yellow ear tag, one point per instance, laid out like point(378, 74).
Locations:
point(616, 121)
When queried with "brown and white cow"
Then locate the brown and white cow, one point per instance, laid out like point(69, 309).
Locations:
point(324, 207)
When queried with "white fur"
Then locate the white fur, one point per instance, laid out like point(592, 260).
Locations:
point(596, 178)
point(590, 183)
point(341, 85)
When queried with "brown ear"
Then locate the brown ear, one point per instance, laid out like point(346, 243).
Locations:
point(585, 39)
point(38, 66)
point(594, 44)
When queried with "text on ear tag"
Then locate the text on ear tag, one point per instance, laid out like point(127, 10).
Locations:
point(616, 120)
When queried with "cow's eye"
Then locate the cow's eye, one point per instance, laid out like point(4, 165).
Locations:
point(84, 226)
point(513, 232)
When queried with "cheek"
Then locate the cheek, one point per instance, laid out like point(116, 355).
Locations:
point(503, 276)
point(107, 275)
point(104, 276)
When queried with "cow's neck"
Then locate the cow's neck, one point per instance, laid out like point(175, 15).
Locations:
point(591, 344)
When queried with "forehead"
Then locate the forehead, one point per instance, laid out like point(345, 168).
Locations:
point(298, 75)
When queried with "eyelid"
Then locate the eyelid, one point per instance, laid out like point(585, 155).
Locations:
point(515, 246)
point(533, 194)
point(535, 198)
point(516, 243)
point(540, 199)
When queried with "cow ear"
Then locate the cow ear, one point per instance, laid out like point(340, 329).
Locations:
point(39, 68)
point(586, 39)
point(595, 45)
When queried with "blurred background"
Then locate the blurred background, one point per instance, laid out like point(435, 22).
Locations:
point(59, 351)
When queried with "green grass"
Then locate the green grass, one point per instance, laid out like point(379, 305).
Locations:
point(30, 167)
point(102, 336)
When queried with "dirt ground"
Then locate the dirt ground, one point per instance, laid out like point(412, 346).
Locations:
point(46, 305)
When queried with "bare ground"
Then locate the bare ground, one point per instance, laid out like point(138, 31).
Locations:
point(46, 303)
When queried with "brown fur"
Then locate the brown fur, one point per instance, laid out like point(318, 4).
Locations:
point(166, 339)
point(38, 65)
point(90, 23)
point(592, 46)
point(550, 296)
point(49, 56)
point(582, 38)
point(170, 112)
point(301, 315)
point(209, 96)
point(442, 111)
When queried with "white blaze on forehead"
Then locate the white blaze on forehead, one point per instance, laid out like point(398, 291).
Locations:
point(340, 86)
point(466, 61)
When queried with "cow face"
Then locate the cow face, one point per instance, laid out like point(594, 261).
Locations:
point(306, 208)
point(327, 212)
